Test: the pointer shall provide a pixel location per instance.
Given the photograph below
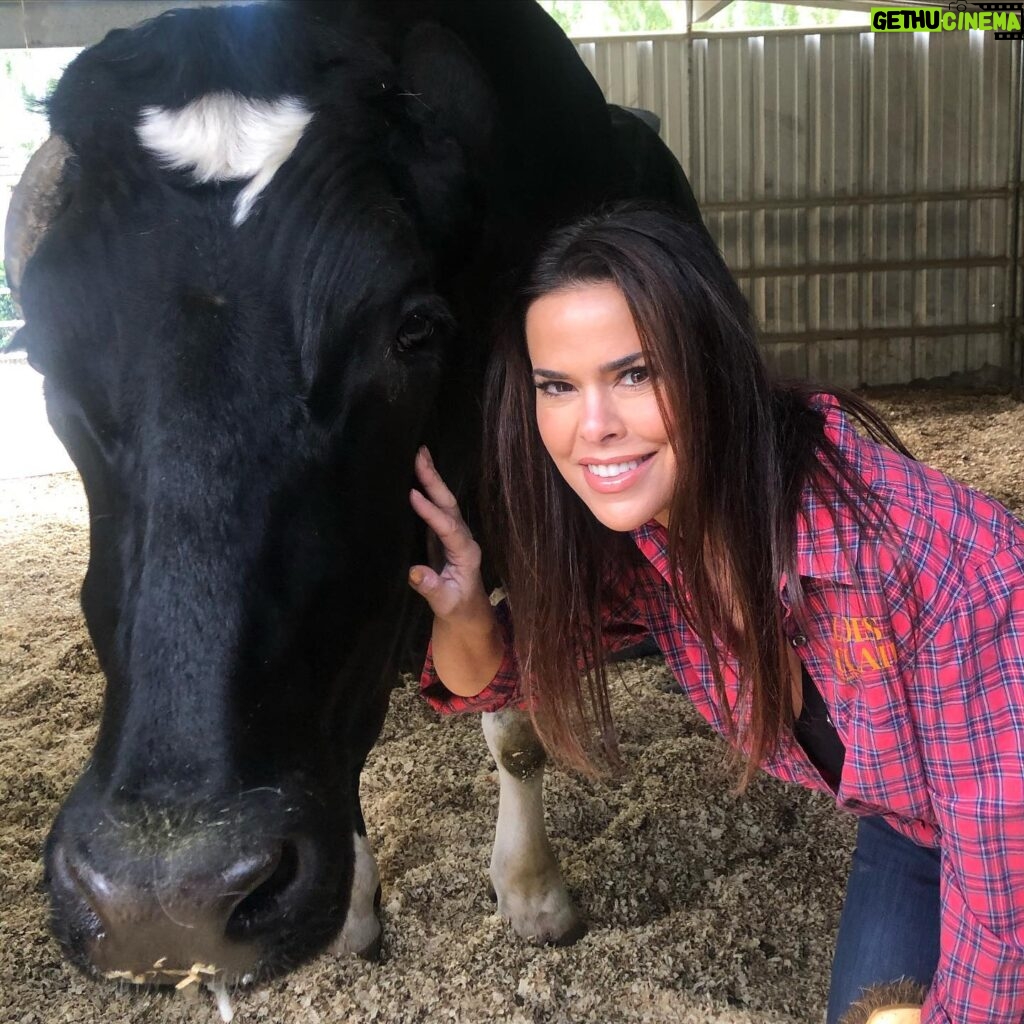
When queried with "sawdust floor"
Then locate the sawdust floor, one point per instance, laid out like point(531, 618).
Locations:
point(703, 907)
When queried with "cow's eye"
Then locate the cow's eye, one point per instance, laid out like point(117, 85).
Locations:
point(416, 330)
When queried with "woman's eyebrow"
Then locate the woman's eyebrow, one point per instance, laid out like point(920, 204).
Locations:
point(615, 364)
point(620, 364)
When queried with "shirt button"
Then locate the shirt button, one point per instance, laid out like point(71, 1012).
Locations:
point(799, 640)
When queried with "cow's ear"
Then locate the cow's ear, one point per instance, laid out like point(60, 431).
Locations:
point(444, 152)
point(439, 73)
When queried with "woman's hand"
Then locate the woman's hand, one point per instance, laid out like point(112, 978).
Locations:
point(457, 592)
point(467, 644)
point(896, 1002)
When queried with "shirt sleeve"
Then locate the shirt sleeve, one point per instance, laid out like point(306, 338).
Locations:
point(622, 626)
point(500, 692)
point(624, 623)
point(972, 732)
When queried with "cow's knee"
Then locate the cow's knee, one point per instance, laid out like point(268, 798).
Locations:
point(514, 744)
point(526, 877)
point(361, 933)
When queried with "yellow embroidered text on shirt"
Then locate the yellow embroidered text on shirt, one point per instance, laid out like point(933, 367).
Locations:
point(859, 645)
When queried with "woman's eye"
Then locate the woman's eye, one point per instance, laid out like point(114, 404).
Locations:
point(552, 387)
point(636, 375)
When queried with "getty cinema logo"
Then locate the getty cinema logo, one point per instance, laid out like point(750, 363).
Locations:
point(1002, 19)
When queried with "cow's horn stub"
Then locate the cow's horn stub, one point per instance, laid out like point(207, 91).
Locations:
point(34, 203)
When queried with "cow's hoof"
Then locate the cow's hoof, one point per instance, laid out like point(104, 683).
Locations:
point(549, 929)
point(362, 940)
point(557, 933)
point(361, 932)
point(371, 953)
point(545, 919)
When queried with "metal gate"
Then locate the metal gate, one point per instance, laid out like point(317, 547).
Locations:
point(865, 189)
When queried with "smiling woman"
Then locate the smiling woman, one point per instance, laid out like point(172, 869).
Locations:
point(597, 407)
point(847, 618)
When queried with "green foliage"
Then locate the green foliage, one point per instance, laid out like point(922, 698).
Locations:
point(566, 12)
point(607, 17)
point(639, 15)
point(758, 14)
point(27, 78)
point(6, 302)
point(7, 310)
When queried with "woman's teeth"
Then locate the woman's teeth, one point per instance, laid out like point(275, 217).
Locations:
point(614, 468)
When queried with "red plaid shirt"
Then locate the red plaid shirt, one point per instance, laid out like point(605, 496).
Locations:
point(919, 656)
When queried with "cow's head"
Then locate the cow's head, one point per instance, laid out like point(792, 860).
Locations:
point(240, 256)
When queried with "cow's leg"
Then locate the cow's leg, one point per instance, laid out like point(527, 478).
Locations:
point(361, 932)
point(528, 883)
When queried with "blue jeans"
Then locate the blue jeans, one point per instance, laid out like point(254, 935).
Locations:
point(889, 927)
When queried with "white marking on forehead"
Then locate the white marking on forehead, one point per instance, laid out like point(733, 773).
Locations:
point(223, 136)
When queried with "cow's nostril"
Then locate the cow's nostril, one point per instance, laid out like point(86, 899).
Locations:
point(265, 901)
point(157, 916)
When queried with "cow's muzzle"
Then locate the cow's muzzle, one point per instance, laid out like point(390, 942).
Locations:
point(173, 926)
point(157, 900)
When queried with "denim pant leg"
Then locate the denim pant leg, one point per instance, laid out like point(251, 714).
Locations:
point(889, 927)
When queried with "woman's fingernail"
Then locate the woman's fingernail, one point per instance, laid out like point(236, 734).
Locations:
point(415, 577)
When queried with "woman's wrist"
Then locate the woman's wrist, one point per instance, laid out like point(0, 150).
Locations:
point(476, 619)
point(468, 649)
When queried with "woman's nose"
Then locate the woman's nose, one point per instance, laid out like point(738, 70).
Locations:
point(601, 420)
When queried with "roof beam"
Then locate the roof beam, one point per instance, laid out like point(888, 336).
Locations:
point(42, 23)
point(863, 6)
point(702, 10)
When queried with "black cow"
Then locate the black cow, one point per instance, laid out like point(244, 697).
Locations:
point(257, 261)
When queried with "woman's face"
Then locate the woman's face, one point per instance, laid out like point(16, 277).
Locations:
point(597, 410)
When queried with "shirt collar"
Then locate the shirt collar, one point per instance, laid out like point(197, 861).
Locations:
point(827, 537)
point(827, 540)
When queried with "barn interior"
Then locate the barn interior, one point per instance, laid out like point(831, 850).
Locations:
point(866, 189)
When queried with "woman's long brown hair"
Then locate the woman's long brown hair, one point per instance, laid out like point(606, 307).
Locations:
point(745, 448)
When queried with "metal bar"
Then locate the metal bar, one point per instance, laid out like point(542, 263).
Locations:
point(809, 202)
point(723, 33)
point(894, 331)
point(1013, 328)
point(867, 267)
point(866, 162)
point(864, 6)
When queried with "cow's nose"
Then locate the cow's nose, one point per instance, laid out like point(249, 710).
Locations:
point(171, 915)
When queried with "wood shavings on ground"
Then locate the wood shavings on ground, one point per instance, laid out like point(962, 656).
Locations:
point(703, 908)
